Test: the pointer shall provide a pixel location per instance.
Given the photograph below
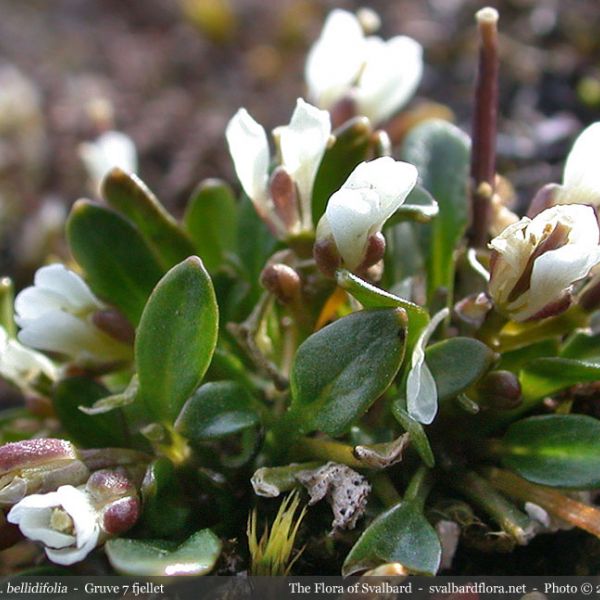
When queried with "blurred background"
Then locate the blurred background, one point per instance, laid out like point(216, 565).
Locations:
point(170, 73)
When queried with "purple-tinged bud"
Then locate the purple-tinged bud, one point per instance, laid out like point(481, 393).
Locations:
point(121, 515)
point(39, 465)
point(106, 485)
point(374, 251)
point(113, 323)
point(499, 390)
point(326, 256)
point(473, 309)
point(282, 281)
point(285, 198)
point(544, 198)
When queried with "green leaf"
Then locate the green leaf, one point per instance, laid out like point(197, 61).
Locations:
point(545, 376)
point(95, 431)
point(351, 146)
point(215, 410)
point(440, 151)
point(165, 511)
point(120, 266)
point(419, 206)
point(402, 534)
point(582, 345)
point(457, 363)
point(128, 194)
point(554, 450)
point(342, 369)
point(418, 437)
point(211, 220)
point(176, 338)
point(196, 556)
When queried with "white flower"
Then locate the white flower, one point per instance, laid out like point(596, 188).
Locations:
point(379, 76)
point(302, 144)
point(23, 366)
point(65, 521)
point(581, 178)
point(421, 391)
point(56, 314)
point(111, 149)
point(535, 262)
point(358, 210)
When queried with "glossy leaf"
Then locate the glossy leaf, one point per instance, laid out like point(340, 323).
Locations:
point(215, 410)
point(351, 146)
point(419, 206)
point(119, 264)
point(440, 151)
point(128, 194)
point(545, 376)
point(418, 437)
point(176, 338)
point(457, 363)
point(211, 220)
point(403, 535)
point(554, 450)
point(89, 431)
point(583, 346)
point(165, 511)
point(342, 369)
point(196, 556)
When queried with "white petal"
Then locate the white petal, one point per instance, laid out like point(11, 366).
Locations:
point(302, 144)
point(77, 504)
point(57, 278)
point(111, 149)
point(249, 149)
point(21, 365)
point(335, 60)
point(421, 391)
point(392, 179)
point(392, 72)
point(350, 215)
point(581, 179)
point(63, 333)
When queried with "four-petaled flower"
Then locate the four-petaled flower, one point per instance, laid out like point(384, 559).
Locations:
point(56, 315)
point(284, 203)
point(378, 76)
point(535, 262)
point(356, 213)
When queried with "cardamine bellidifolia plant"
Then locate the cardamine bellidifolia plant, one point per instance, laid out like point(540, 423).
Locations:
point(367, 333)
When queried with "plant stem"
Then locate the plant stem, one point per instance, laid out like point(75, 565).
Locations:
point(483, 153)
point(324, 449)
point(477, 489)
point(420, 485)
point(384, 489)
point(554, 502)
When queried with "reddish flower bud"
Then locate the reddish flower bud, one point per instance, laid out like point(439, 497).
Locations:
point(282, 281)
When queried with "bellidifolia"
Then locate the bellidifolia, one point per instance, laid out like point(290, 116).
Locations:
point(368, 331)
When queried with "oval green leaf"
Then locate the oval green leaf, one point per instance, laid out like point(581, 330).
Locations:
point(120, 266)
point(89, 431)
point(555, 450)
point(441, 153)
point(196, 556)
point(416, 432)
point(176, 338)
point(342, 369)
point(211, 220)
point(458, 363)
point(402, 534)
point(215, 410)
point(128, 194)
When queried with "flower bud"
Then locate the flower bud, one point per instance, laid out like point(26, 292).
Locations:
point(535, 262)
point(499, 390)
point(285, 199)
point(112, 322)
point(326, 256)
point(282, 281)
point(356, 213)
point(38, 465)
point(473, 309)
